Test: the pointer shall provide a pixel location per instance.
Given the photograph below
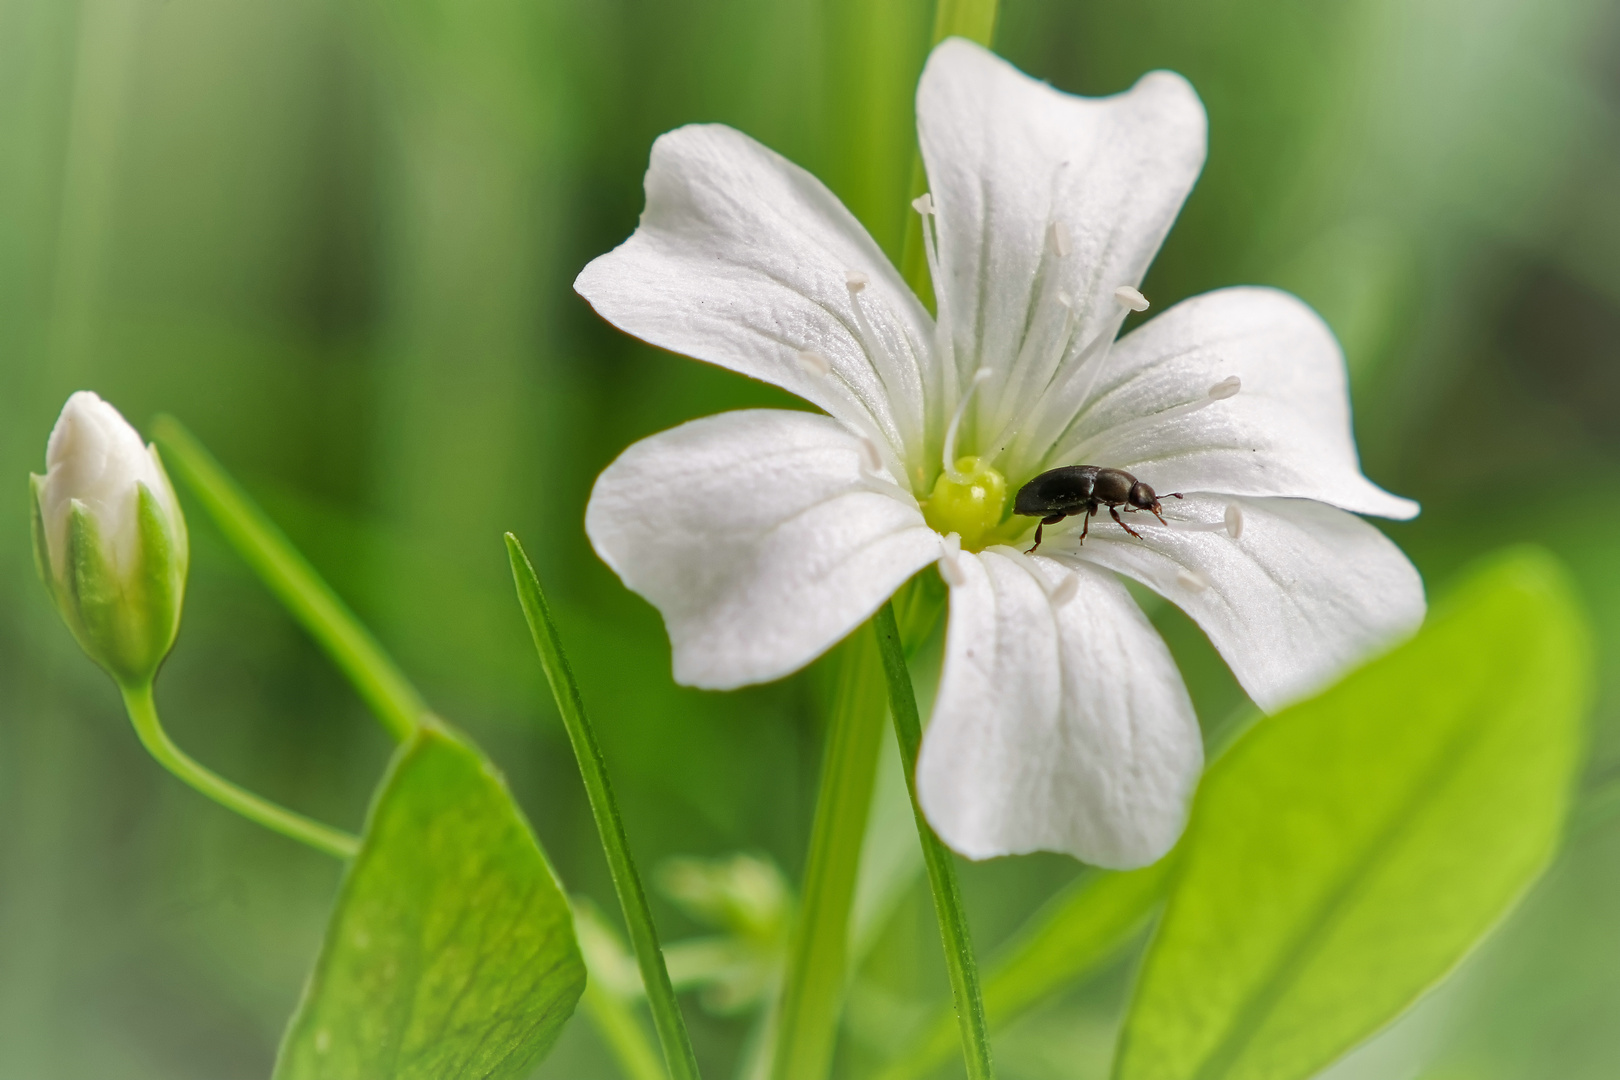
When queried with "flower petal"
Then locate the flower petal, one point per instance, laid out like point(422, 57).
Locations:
point(1061, 722)
point(763, 537)
point(1009, 160)
point(1286, 432)
point(1302, 594)
point(741, 260)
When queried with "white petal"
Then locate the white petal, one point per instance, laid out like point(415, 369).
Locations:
point(1304, 593)
point(1018, 170)
point(1286, 432)
point(745, 260)
point(761, 536)
point(1061, 722)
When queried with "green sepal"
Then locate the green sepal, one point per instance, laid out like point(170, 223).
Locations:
point(126, 623)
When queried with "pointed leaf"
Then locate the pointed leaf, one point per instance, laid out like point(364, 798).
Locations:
point(451, 953)
point(1347, 853)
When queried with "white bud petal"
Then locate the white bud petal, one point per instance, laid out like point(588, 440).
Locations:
point(1129, 297)
point(95, 457)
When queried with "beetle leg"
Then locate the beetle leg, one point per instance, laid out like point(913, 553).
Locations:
point(1114, 511)
point(1045, 521)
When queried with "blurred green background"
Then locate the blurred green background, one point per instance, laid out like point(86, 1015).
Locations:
point(336, 240)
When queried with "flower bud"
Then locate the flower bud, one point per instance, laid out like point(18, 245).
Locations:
point(109, 539)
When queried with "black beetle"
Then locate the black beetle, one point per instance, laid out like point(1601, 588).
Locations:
point(1074, 489)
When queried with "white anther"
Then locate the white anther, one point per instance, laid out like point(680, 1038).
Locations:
point(1234, 520)
point(1191, 580)
point(1057, 238)
point(923, 204)
point(1227, 387)
point(1065, 299)
point(855, 281)
point(871, 460)
point(1066, 590)
point(814, 363)
point(1129, 297)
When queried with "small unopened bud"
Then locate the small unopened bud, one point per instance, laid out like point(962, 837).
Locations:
point(109, 540)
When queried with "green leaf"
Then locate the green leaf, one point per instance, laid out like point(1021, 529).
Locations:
point(451, 952)
point(1347, 853)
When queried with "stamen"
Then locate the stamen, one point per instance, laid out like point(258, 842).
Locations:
point(1234, 520)
point(1066, 590)
point(855, 281)
point(814, 363)
point(956, 422)
point(1129, 297)
point(1057, 238)
point(924, 205)
point(1191, 580)
point(1226, 388)
point(950, 549)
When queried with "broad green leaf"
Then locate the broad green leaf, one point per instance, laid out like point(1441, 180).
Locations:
point(1079, 930)
point(451, 952)
point(1348, 852)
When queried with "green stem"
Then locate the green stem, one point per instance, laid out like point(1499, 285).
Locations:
point(953, 927)
point(144, 715)
point(818, 957)
point(385, 689)
point(666, 1009)
point(621, 1033)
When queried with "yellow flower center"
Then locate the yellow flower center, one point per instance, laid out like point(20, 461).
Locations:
point(970, 501)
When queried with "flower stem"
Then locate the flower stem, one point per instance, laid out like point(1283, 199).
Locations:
point(666, 1008)
point(385, 689)
point(953, 927)
point(818, 958)
point(144, 715)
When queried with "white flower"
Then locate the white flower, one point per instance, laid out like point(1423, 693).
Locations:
point(109, 539)
point(765, 536)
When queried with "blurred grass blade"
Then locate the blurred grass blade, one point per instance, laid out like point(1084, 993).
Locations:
point(976, 21)
point(288, 575)
point(1348, 852)
point(960, 965)
point(451, 953)
point(1076, 933)
point(972, 19)
point(666, 1008)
